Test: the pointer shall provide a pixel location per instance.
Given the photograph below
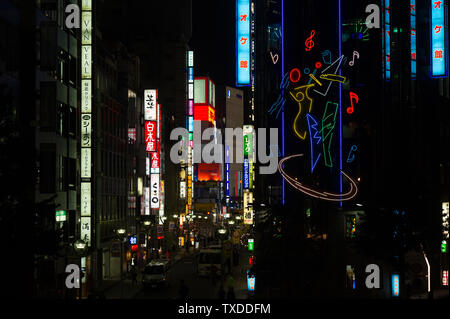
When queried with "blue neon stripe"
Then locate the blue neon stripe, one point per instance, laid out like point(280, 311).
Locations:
point(282, 74)
point(340, 107)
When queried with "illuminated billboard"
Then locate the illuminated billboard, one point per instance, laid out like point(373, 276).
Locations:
point(395, 285)
point(204, 113)
point(246, 174)
point(208, 172)
point(154, 191)
point(150, 102)
point(250, 282)
point(155, 162)
point(243, 43)
point(387, 40)
point(413, 38)
point(438, 39)
point(150, 136)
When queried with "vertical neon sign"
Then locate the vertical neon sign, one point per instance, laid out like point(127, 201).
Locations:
point(282, 75)
point(243, 41)
point(413, 38)
point(395, 285)
point(438, 39)
point(190, 125)
point(387, 40)
point(340, 105)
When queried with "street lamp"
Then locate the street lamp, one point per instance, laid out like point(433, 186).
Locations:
point(79, 246)
point(121, 234)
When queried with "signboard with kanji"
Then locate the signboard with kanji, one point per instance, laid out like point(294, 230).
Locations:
point(438, 41)
point(150, 102)
point(150, 136)
point(243, 43)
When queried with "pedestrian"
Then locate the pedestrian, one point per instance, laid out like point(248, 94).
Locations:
point(230, 293)
point(134, 276)
point(183, 291)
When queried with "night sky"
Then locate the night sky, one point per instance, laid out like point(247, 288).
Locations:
point(213, 37)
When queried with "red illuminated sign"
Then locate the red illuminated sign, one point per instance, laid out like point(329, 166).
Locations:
point(208, 172)
point(204, 113)
point(154, 159)
point(150, 136)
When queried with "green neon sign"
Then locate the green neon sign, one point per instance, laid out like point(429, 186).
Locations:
point(250, 244)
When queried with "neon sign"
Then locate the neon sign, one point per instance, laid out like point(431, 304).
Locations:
point(353, 96)
point(309, 43)
point(387, 40)
point(243, 41)
point(395, 285)
point(150, 136)
point(413, 38)
point(438, 39)
point(317, 193)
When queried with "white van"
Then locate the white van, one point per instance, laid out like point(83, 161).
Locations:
point(209, 261)
point(155, 274)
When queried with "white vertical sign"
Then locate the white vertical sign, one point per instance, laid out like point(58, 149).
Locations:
point(150, 102)
point(147, 200)
point(85, 163)
point(154, 191)
point(85, 198)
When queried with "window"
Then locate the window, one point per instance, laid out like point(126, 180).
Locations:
point(72, 70)
point(72, 122)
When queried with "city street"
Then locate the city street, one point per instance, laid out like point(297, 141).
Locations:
point(199, 287)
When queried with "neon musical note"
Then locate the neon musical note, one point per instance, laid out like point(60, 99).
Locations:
point(355, 53)
point(309, 42)
point(353, 96)
point(326, 57)
point(273, 57)
point(352, 150)
point(306, 71)
point(301, 94)
point(328, 124)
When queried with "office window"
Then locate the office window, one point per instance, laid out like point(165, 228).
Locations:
point(47, 109)
point(72, 122)
point(72, 70)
